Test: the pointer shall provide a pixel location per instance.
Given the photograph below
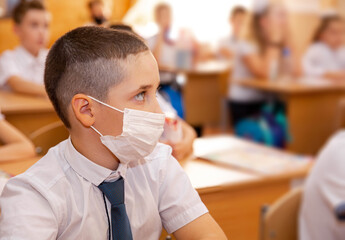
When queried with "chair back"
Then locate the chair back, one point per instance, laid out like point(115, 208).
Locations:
point(280, 220)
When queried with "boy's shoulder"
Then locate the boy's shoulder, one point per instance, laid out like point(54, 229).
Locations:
point(319, 48)
point(331, 157)
point(47, 171)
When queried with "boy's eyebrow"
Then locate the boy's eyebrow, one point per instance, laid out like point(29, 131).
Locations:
point(144, 87)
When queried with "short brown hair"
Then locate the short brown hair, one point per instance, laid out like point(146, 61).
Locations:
point(324, 24)
point(121, 26)
point(237, 10)
point(87, 60)
point(23, 7)
point(94, 2)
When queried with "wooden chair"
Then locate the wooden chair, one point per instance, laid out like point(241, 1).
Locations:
point(340, 117)
point(280, 221)
point(48, 136)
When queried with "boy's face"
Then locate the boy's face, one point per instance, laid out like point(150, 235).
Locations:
point(136, 91)
point(33, 31)
point(237, 22)
point(163, 18)
point(98, 10)
point(334, 34)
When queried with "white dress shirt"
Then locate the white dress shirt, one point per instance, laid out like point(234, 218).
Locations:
point(167, 57)
point(320, 59)
point(241, 72)
point(19, 62)
point(58, 197)
point(323, 193)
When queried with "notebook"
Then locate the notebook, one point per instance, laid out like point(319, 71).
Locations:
point(253, 157)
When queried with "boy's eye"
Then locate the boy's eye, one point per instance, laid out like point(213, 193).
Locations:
point(34, 24)
point(140, 96)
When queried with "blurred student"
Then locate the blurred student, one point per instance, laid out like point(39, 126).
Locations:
point(164, 48)
point(177, 133)
point(325, 58)
point(22, 69)
point(13, 144)
point(322, 214)
point(99, 13)
point(228, 46)
point(170, 55)
point(258, 57)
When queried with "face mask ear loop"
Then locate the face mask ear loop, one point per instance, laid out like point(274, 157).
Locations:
point(96, 131)
point(106, 104)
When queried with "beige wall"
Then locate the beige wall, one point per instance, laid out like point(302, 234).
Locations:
point(66, 15)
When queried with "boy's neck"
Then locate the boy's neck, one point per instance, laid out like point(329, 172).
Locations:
point(33, 52)
point(92, 148)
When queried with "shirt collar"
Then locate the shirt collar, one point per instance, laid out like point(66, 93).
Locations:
point(89, 170)
point(29, 58)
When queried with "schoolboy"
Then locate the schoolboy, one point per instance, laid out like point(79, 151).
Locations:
point(22, 68)
point(228, 45)
point(103, 82)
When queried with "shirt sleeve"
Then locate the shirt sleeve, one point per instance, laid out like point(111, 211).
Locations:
point(342, 58)
point(8, 68)
point(312, 62)
point(330, 178)
point(245, 48)
point(25, 213)
point(179, 202)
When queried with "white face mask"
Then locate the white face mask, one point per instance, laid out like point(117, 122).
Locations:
point(140, 134)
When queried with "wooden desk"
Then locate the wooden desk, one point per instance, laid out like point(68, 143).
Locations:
point(233, 196)
point(206, 85)
point(26, 113)
point(312, 110)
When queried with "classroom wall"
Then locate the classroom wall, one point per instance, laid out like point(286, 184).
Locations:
point(302, 33)
point(66, 15)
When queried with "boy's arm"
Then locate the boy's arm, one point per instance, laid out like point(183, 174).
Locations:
point(185, 146)
point(16, 145)
point(21, 86)
point(202, 228)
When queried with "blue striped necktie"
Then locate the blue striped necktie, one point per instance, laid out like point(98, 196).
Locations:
point(120, 226)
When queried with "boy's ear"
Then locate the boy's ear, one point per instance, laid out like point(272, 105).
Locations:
point(83, 109)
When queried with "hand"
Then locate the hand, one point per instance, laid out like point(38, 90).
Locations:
point(182, 149)
point(225, 52)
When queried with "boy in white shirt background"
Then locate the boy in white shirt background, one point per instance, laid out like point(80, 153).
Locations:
point(228, 45)
point(322, 211)
point(325, 58)
point(22, 69)
point(110, 179)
